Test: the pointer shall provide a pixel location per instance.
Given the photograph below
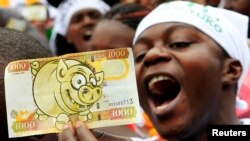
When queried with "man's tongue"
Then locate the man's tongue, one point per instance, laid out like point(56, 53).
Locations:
point(164, 91)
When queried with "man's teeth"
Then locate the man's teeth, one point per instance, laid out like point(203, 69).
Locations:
point(157, 79)
point(88, 33)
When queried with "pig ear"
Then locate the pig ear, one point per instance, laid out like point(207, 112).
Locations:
point(61, 70)
point(99, 77)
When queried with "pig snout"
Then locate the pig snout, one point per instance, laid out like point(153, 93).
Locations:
point(88, 94)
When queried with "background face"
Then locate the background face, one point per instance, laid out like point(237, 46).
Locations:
point(81, 27)
point(178, 72)
point(212, 2)
point(110, 37)
point(241, 6)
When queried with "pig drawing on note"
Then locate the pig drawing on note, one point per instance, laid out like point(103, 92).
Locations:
point(65, 87)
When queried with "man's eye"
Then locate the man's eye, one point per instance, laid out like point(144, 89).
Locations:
point(95, 15)
point(139, 57)
point(77, 18)
point(179, 45)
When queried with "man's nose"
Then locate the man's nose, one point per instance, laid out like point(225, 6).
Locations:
point(87, 20)
point(156, 55)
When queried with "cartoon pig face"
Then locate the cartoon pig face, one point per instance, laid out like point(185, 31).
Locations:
point(80, 87)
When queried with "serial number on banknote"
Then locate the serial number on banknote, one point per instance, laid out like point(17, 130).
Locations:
point(123, 102)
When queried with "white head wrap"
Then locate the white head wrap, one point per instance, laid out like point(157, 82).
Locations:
point(70, 7)
point(67, 9)
point(227, 28)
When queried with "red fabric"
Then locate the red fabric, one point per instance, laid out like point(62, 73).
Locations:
point(244, 94)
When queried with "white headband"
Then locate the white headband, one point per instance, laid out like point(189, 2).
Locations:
point(68, 8)
point(227, 28)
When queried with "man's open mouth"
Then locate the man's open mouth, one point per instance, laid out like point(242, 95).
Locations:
point(87, 35)
point(162, 89)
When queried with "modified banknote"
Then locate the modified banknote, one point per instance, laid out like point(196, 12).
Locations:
point(97, 87)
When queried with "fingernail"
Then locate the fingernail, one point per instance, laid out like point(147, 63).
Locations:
point(65, 126)
point(78, 124)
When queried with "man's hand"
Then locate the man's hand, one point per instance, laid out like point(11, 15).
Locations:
point(80, 132)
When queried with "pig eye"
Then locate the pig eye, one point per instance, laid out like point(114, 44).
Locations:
point(78, 80)
point(93, 81)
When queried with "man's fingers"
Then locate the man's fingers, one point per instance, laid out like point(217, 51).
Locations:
point(67, 134)
point(83, 133)
point(102, 136)
point(97, 133)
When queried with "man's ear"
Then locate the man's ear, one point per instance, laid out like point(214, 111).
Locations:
point(232, 71)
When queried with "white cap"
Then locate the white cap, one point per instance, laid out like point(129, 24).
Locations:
point(69, 7)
